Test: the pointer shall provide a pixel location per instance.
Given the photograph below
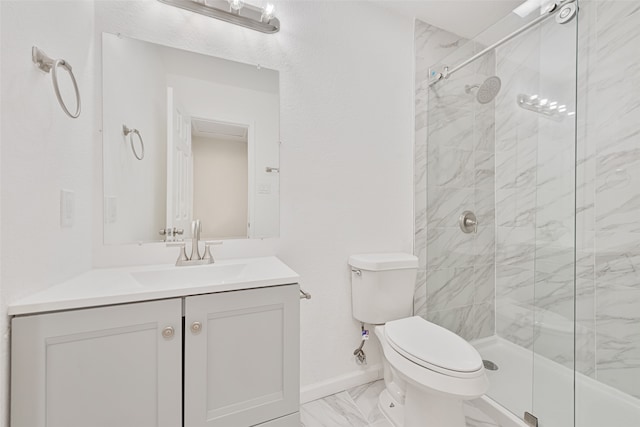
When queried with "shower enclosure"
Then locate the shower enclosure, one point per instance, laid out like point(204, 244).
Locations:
point(534, 127)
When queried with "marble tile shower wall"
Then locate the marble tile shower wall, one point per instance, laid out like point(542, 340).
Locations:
point(431, 44)
point(608, 222)
point(454, 172)
point(529, 161)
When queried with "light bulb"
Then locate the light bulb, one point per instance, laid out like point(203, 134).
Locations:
point(236, 5)
point(267, 12)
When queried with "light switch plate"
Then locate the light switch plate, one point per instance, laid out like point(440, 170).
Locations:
point(110, 209)
point(67, 208)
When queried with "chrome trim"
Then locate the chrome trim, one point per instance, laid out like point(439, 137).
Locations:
point(468, 222)
point(47, 64)
point(304, 295)
point(530, 419)
point(196, 228)
point(168, 332)
point(248, 16)
point(449, 71)
point(195, 258)
point(130, 132)
point(196, 328)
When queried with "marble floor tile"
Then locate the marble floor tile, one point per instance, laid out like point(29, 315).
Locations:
point(366, 399)
point(358, 406)
point(338, 410)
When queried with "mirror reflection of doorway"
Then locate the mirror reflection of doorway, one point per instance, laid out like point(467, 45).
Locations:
point(220, 177)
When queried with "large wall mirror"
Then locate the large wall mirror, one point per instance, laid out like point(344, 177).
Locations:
point(187, 136)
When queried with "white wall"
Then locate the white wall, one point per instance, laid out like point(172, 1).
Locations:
point(220, 178)
point(346, 156)
point(346, 91)
point(42, 152)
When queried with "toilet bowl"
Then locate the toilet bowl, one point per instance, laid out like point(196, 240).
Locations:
point(428, 370)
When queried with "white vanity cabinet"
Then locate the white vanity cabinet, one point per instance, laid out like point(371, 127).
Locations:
point(224, 359)
point(100, 367)
point(242, 357)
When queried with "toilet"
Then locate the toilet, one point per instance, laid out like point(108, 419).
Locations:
point(428, 370)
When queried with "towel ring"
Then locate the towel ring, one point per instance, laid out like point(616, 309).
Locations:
point(47, 65)
point(129, 132)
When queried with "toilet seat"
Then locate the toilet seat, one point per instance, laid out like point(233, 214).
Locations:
point(463, 385)
point(433, 347)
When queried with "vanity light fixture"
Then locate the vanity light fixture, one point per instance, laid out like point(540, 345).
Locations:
point(234, 11)
point(267, 12)
point(235, 5)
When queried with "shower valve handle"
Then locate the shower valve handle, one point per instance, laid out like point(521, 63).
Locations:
point(468, 222)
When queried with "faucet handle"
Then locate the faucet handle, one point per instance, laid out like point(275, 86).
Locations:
point(207, 250)
point(183, 251)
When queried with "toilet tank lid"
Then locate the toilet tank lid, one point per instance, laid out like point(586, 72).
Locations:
point(383, 261)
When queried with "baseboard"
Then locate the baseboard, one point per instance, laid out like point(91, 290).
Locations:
point(340, 383)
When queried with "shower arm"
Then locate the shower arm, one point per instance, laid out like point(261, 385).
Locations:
point(449, 71)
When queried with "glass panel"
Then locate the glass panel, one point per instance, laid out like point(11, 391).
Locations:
point(554, 217)
point(504, 148)
point(608, 230)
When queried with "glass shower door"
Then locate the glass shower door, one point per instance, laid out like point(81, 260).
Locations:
point(608, 226)
point(505, 149)
point(555, 223)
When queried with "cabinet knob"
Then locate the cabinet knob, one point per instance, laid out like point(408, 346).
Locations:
point(168, 332)
point(196, 327)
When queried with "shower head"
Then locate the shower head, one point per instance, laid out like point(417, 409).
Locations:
point(487, 91)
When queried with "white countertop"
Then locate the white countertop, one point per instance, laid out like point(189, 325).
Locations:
point(142, 283)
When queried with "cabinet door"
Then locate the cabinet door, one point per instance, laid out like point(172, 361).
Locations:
point(99, 367)
point(242, 363)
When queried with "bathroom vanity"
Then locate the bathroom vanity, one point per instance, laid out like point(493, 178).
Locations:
point(166, 346)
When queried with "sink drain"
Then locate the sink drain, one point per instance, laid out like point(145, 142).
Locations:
point(489, 365)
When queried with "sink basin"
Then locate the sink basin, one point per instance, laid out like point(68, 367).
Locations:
point(144, 283)
point(187, 277)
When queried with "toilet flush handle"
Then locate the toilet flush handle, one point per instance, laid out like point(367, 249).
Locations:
point(357, 272)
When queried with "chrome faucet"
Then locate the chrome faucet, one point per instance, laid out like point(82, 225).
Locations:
point(196, 227)
point(195, 258)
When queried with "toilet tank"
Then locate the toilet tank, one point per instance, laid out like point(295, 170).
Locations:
point(382, 286)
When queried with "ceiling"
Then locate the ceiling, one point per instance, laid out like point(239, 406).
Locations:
point(466, 18)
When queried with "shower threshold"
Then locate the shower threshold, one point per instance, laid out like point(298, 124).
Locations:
point(535, 384)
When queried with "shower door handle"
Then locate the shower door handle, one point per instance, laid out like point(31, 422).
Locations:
point(468, 222)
